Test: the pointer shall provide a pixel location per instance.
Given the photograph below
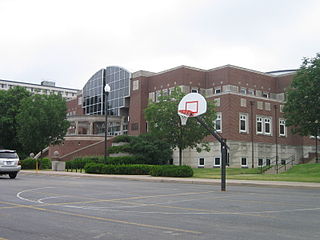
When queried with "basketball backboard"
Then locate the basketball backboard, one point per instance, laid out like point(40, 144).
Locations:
point(191, 105)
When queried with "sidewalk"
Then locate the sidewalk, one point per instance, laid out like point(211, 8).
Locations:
point(149, 178)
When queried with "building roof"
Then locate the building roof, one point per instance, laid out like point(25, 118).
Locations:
point(38, 85)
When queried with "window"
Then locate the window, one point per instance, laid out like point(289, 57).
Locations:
point(134, 126)
point(243, 102)
point(216, 162)
point(260, 105)
point(250, 91)
point(217, 102)
point(217, 90)
point(243, 122)
point(152, 96)
point(263, 125)
point(218, 122)
point(267, 106)
point(268, 162)
point(259, 125)
point(260, 162)
point(267, 126)
point(283, 162)
point(201, 163)
point(243, 90)
point(244, 162)
point(282, 127)
point(194, 90)
point(281, 108)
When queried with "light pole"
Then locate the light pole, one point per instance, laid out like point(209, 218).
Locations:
point(107, 89)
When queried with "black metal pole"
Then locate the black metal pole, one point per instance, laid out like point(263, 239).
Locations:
point(224, 155)
point(276, 135)
point(106, 126)
point(252, 143)
point(224, 151)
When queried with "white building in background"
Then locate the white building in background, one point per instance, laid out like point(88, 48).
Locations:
point(46, 87)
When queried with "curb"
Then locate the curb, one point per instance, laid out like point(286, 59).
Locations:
point(148, 178)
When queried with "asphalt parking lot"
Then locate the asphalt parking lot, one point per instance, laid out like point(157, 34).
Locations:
point(35, 206)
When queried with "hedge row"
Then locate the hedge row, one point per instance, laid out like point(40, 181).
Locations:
point(140, 169)
point(171, 171)
point(30, 163)
point(79, 163)
point(133, 169)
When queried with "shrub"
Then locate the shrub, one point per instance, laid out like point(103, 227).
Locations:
point(44, 163)
point(30, 163)
point(80, 162)
point(122, 138)
point(135, 169)
point(125, 160)
point(171, 171)
point(118, 149)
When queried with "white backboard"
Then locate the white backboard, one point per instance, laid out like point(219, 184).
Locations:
point(192, 105)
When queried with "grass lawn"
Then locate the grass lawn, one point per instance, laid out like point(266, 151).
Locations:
point(298, 173)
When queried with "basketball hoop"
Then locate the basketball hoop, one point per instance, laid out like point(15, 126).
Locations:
point(191, 105)
point(184, 115)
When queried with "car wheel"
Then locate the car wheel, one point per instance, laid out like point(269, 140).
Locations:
point(12, 175)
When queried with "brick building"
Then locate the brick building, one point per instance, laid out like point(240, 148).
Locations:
point(248, 103)
point(249, 106)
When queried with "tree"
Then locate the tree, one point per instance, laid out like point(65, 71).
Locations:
point(152, 149)
point(10, 102)
point(164, 122)
point(302, 109)
point(42, 121)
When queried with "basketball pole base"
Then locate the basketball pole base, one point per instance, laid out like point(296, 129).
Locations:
point(224, 152)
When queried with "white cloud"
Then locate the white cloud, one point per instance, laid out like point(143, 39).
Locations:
point(67, 40)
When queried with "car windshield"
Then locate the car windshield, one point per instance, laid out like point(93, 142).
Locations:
point(8, 155)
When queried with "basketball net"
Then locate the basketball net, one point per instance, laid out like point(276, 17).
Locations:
point(184, 115)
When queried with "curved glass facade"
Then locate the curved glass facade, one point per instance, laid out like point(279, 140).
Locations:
point(119, 80)
point(93, 94)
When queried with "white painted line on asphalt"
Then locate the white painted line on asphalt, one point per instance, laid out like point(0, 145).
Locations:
point(29, 190)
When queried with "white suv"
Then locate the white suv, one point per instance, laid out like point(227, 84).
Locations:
point(9, 163)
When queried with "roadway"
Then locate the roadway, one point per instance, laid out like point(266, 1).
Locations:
point(40, 206)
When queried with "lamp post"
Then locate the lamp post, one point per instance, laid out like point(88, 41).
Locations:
point(107, 89)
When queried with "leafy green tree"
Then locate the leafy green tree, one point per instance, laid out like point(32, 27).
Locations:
point(164, 122)
point(42, 121)
point(151, 148)
point(10, 102)
point(302, 109)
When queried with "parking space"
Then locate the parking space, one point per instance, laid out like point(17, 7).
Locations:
point(62, 207)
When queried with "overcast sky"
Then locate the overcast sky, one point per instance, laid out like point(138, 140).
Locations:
point(67, 41)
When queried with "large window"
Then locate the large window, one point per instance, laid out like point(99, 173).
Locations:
point(243, 122)
point(218, 122)
point(282, 127)
point(259, 125)
point(119, 81)
point(264, 125)
point(93, 94)
point(267, 126)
